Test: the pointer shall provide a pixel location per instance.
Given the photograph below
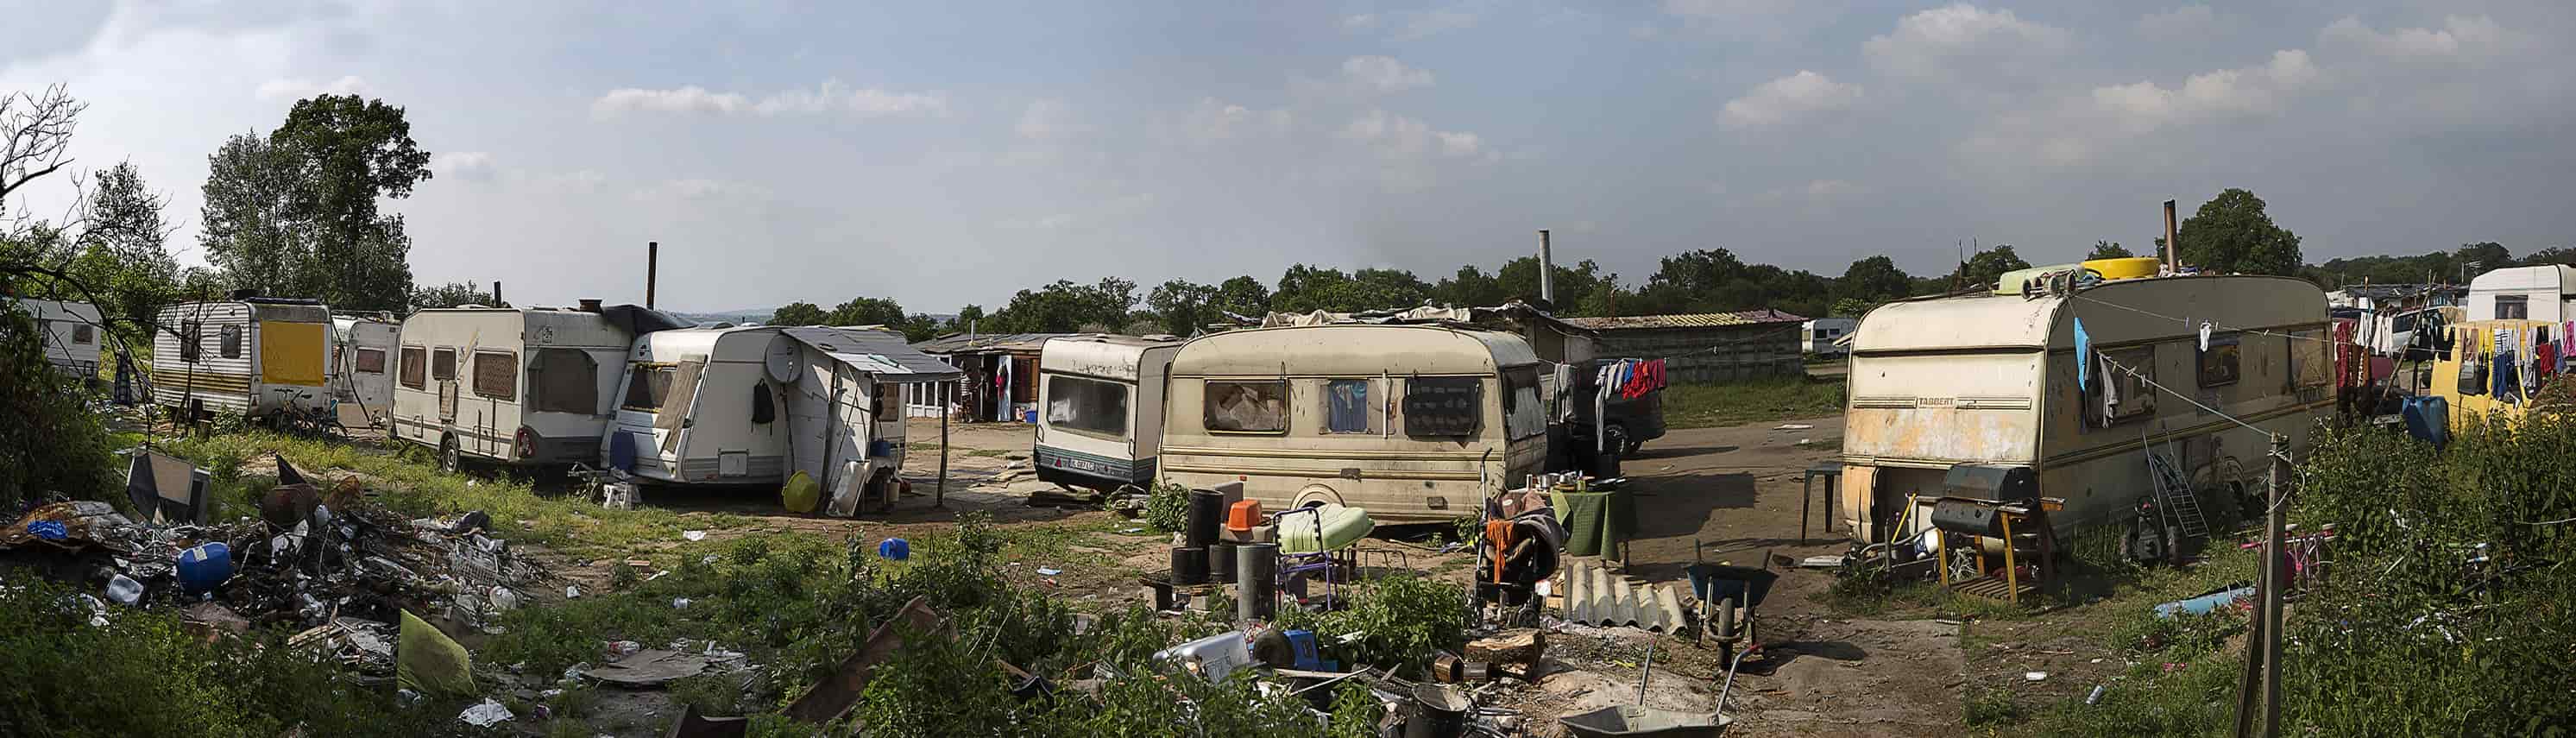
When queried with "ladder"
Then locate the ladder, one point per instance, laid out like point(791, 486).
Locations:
point(2176, 496)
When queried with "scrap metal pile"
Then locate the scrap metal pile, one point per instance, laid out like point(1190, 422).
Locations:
point(329, 565)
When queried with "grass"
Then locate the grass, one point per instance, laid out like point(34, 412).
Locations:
point(408, 484)
point(1708, 405)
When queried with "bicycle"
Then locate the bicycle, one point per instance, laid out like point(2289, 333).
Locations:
point(312, 422)
point(2306, 552)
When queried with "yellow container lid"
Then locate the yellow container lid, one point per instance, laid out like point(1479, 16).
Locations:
point(2125, 268)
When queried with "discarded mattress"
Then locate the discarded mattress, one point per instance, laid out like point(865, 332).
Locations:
point(1340, 525)
point(1595, 596)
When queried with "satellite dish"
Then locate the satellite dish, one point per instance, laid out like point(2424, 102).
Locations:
point(784, 360)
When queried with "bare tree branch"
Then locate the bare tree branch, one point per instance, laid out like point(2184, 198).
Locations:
point(35, 135)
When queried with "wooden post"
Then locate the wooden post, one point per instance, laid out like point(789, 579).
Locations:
point(2276, 569)
point(940, 498)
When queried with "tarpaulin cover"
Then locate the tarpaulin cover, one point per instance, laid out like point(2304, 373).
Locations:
point(428, 662)
point(290, 353)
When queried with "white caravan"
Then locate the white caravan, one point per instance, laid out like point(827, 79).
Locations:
point(362, 365)
point(752, 405)
point(253, 357)
point(510, 385)
point(1100, 401)
point(71, 331)
point(2524, 293)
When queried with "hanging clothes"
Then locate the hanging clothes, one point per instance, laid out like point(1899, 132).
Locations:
point(2504, 384)
point(2473, 365)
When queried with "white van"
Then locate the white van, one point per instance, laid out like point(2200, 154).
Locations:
point(751, 405)
point(1412, 421)
point(1100, 400)
point(251, 357)
point(524, 386)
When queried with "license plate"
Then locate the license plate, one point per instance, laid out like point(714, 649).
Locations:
point(1082, 465)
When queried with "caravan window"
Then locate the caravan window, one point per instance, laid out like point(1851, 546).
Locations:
point(442, 364)
point(496, 375)
point(415, 364)
point(2311, 359)
point(192, 339)
point(231, 342)
point(81, 334)
point(2118, 395)
point(646, 385)
point(2219, 361)
point(1444, 406)
point(1351, 406)
point(371, 360)
point(1523, 414)
point(1246, 407)
point(562, 380)
point(2513, 307)
point(1086, 405)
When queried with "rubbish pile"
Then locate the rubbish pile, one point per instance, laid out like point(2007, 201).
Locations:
point(329, 565)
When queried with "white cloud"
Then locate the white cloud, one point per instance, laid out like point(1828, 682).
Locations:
point(1396, 135)
point(1383, 74)
point(2460, 39)
point(2263, 90)
point(468, 165)
point(1046, 120)
point(1723, 10)
point(831, 97)
point(1428, 23)
point(289, 88)
point(1101, 213)
point(576, 182)
point(1214, 120)
point(1831, 188)
point(2179, 24)
point(1359, 21)
point(1788, 100)
point(701, 189)
point(1963, 39)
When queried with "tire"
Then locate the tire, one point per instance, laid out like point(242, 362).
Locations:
point(1615, 438)
point(450, 456)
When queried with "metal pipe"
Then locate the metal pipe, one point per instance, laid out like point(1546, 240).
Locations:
point(496, 294)
point(652, 270)
point(2173, 245)
point(1546, 271)
point(2276, 570)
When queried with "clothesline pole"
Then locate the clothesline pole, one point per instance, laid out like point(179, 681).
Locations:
point(939, 499)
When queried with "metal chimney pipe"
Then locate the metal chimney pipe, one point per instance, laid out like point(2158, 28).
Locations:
point(652, 269)
point(2173, 248)
point(496, 294)
point(1546, 270)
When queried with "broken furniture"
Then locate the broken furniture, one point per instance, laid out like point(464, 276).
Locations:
point(1966, 531)
point(1832, 473)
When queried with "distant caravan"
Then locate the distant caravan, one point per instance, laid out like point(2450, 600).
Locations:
point(1100, 409)
point(362, 365)
point(1986, 385)
point(1411, 421)
point(247, 357)
point(518, 386)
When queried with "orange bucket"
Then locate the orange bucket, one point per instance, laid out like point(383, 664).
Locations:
point(1243, 516)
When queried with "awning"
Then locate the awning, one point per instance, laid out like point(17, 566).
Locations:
point(881, 353)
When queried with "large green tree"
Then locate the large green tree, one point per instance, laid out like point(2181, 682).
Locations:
point(453, 294)
point(1243, 297)
point(2103, 249)
point(797, 313)
point(123, 259)
point(51, 442)
point(1180, 306)
point(299, 212)
point(868, 311)
point(1983, 267)
point(1066, 307)
point(1874, 280)
point(2232, 234)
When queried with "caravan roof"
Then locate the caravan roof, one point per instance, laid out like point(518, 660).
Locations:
point(1352, 348)
point(2132, 306)
point(1103, 356)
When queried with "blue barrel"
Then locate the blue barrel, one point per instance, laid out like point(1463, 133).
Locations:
point(2428, 419)
point(205, 567)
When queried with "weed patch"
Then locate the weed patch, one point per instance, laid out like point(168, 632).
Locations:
point(1707, 405)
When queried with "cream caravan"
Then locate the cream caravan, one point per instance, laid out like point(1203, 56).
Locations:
point(71, 332)
point(1412, 421)
point(752, 405)
point(2524, 293)
point(254, 357)
point(362, 365)
point(1991, 381)
point(1100, 402)
point(509, 385)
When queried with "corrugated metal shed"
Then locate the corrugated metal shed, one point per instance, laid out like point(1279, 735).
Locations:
point(1694, 320)
point(882, 352)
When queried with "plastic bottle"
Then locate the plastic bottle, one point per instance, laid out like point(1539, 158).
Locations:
point(124, 590)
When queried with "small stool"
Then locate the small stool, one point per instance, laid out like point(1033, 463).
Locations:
point(1833, 476)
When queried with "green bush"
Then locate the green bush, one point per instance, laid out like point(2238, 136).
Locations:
point(1401, 619)
point(1168, 508)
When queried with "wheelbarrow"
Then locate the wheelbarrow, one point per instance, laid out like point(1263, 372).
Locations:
point(1729, 596)
point(1640, 721)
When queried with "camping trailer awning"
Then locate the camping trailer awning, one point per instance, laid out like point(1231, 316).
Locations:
point(881, 353)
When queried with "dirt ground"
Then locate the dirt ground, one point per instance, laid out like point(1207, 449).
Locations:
point(1733, 491)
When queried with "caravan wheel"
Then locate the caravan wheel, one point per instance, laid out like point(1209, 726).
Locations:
point(450, 457)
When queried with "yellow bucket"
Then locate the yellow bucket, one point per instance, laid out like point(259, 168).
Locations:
point(2125, 268)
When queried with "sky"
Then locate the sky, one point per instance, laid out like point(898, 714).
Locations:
point(950, 153)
